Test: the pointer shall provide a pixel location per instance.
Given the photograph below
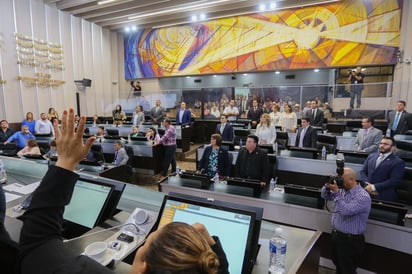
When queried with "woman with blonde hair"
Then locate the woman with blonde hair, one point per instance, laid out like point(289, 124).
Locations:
point(265, 130)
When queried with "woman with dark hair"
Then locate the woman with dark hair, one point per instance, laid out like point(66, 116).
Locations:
point(31, 148)
point(29, 122)
point(152, 135)
point(288, 119)
point(118, 115)
point(215, 159)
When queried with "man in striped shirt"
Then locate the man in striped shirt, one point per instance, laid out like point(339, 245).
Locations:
point(169, 143)
point(350, 214)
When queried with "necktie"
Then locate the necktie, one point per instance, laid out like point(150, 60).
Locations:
point(255, 109)
point(379, 160)
point(313, 114)
point(222, 127)
point(302, 135)
point(396, 121)
point(115, 157)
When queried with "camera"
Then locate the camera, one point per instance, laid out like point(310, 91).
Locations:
point(340, 164)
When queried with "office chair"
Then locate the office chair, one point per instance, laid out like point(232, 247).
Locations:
point(404, 189)
point(403, 149)
point(327, 141)
point(282, 138)
point(112, 132)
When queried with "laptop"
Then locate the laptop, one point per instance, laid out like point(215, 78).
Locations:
point(86, 207)
point(237, 226)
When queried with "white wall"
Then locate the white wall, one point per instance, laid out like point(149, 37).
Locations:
point(89, 52)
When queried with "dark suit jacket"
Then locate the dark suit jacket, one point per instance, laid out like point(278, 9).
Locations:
point(253, 166)
point(318, 119)
point(227, 134)
point(405, 122)
point(223, 163)
point(254, 115)
point(186, 118)
point(386, 177)
point(310, 138)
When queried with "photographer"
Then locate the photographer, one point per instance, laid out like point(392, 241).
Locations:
point(356, 80)
point(351, 211)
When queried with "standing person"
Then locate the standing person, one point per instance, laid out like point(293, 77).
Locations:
point(5, 131)
point(169, 143)
point(118, 115)
point(316, 114)
point(352, 205)
point(120, 155)
point(254, 113)
point(43, 126)
point(275, 115)
point(136, 87)
point(296, 110)
point(231, 111)
point(252, 162)
point(265, 131)
point(356, 86)
point(288, 120)
point(21, 137)
point(52, 114)
point(183, 116)
point(225, 129)
point(307, 135)
point(29, 121)
point(382, 172)
point(157, 113)
point(138, 116)
point(214, 111)
point(368, 138)
point(215, 159)
point(399, 121)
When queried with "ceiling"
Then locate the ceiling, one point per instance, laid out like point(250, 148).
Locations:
point(116, 14)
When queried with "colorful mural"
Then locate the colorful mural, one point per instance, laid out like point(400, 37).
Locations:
point(347, 33)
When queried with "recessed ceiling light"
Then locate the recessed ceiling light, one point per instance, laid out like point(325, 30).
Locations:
point(134, 28)
point(277, 72)
point(262, 7)
point(127, 29)
point(244, 74)
point(105, 2)
point(202, 16)
point(215, 75)
point(316, 70)
point(272, 6)
point(194, 18)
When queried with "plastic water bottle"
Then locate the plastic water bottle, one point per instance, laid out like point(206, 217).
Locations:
point(277, 250)
point(275, 148)
point(177, 169)
point(249, 126)
point(3, 175)
point(216, 178)
point(240, 143)
point(323, 153)
point(388, 132)
point(129, 140)
point(272, 184)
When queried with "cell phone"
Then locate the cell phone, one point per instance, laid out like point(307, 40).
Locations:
point(125, 238)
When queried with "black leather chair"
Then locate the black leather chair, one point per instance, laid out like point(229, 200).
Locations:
point(112, 132)
point(404, 189)
point(282, 138)
point(327, 141)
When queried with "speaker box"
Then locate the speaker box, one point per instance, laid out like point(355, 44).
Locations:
point(87, 82)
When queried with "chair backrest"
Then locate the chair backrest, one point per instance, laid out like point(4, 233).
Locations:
point(97, 152)
point(112, 132)
point(327, 141)
point(404, 189)
point(130, 153)
point(282, 138)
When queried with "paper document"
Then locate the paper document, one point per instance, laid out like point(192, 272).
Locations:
point(22, 189)
point(11, 197)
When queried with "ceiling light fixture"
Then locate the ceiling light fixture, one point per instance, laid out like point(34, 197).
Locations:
point(183, 8)
point(194, 18)
point(105, 2)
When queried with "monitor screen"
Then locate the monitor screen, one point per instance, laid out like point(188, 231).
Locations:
point(234, 226)
point(303, 152)
point(355, 157)
point(87, 203)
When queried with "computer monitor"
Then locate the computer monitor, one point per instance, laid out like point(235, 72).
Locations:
point(355, 157)
point(388, 212)
point(247, 184)
point(229, 146)
point(237, 226)
point(139, 138)
point(267, 147)
point(303, 152)
point(86, 207)
point(304, 196)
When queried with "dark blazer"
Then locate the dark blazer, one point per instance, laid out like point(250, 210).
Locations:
point(386, 177)
point(227, 134)
point(252, 166)
point(223, 163)
point(186, 118)
point(310, 138)
point(254, 115)
point(405, 122)
point(318, 119)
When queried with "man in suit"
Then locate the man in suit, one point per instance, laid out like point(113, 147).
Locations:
point(315, 114)
point(225, 129)
point(254, 113)
point(252, 162)
point(183, 116)
point(157, 113)
point(138, 116)
point(399, 121)
point(307, 135)
point(120, 155)
point(382, 172)
point(369, 137)
point(5, 131)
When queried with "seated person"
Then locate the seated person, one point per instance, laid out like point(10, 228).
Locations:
point(52, 151)
point(174, 248)
point(96, 120)
point(215, 159)
point(21, 137)
point(101, 133)
point(120, 155)
point(31, 148)
point(152, 135)
point(136, 133)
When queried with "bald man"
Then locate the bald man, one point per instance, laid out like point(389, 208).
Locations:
point(350, 214)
